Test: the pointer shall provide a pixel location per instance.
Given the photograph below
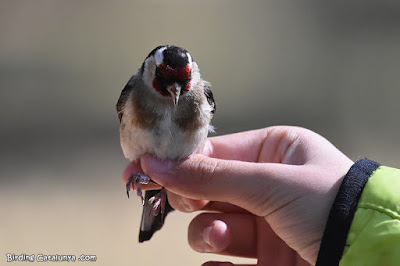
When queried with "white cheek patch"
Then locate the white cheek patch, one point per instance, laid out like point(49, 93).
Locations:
point(195, 75)
point(149, 69)
point(190, 60)
point(159, 55)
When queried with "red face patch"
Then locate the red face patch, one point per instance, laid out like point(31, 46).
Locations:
point(157, 86)
point(179, 73)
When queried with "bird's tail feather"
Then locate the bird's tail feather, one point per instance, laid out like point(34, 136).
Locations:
point(150, 223)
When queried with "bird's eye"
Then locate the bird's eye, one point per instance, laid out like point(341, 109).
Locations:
point(158, 73)
point(186, 85)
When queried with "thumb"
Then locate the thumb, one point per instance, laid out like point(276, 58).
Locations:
point(202, 177)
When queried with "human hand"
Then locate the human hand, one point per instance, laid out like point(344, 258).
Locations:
point(273, 188)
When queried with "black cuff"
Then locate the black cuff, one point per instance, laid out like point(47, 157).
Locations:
point(342, 212)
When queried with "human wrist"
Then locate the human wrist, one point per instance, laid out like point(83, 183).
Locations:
point(342, 212)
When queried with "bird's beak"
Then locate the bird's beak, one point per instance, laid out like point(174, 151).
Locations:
point(175, 91)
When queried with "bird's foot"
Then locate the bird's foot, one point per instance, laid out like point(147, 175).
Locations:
point(159, 200)
point(136, 180)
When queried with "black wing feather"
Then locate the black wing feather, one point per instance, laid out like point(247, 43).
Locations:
point(210, 97)
point(123, 97)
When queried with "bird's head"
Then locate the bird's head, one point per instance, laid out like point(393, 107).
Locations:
point(170, 71)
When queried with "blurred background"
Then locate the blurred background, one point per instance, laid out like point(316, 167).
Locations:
point(333, 67)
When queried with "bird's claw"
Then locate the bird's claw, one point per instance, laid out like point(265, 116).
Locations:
point(159, 200)
point(137, 180)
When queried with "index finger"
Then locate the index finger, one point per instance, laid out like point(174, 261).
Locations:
point(243, 146)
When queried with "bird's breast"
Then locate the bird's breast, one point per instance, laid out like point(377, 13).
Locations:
point(168, 136)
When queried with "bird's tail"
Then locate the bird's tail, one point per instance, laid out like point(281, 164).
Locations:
point(150, 223)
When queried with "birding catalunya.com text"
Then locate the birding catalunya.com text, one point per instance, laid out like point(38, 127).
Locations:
point(11, 257)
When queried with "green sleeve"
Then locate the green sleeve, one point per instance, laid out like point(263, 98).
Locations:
point(374, 236)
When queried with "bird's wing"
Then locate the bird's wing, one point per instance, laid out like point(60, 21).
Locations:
point(210, 96)
point(124, 96)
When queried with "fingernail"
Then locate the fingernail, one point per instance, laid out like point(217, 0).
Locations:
point(154, 165)
point(216, 236)
point(208, 148)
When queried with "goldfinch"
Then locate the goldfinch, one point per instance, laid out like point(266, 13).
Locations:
point(164, 110)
